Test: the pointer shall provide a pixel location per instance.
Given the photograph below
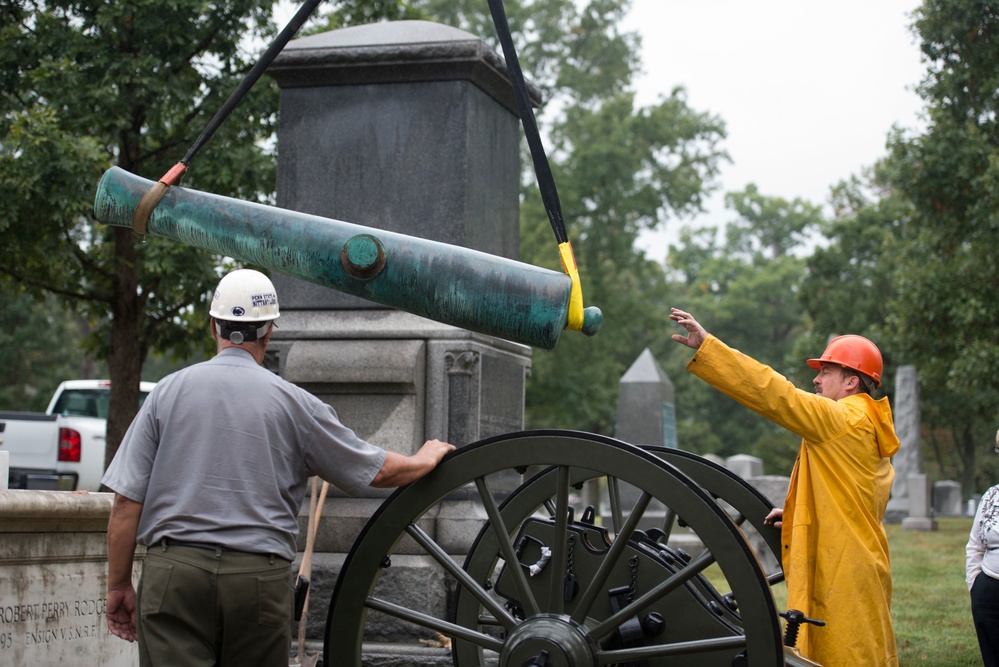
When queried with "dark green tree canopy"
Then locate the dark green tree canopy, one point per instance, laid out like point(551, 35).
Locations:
point(86, 85)
point(945, 314)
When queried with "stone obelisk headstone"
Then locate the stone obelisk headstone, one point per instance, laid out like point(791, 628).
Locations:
point(646, 407)
point(646, 415)
point(905, 410)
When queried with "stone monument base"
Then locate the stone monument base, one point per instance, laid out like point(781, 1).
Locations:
point(897, 511)
point(53, 580)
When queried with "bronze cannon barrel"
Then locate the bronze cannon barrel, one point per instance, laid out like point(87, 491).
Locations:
point(446, 283)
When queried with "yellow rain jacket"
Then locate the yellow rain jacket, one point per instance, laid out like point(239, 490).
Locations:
point(835, 550)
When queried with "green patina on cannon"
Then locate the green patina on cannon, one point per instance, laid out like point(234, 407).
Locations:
point(446, 283)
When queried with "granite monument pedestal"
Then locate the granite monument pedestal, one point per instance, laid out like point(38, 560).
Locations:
point(408, 127)
point(53, 581)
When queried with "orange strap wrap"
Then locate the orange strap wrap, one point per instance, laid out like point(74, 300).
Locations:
point(140, 218)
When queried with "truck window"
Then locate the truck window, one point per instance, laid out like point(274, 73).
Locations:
point(87, 403)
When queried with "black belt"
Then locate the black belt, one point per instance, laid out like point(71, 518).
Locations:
point(193, 545)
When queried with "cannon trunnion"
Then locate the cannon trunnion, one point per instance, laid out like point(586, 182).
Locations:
point(551, 582)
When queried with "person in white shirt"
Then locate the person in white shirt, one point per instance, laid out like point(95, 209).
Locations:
point(982, 573)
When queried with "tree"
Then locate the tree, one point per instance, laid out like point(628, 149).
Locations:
point(85, 85)
point(944, 315)
point(38, 337)
point(849, 284)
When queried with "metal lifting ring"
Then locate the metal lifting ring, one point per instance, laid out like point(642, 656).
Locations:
point(501, 617)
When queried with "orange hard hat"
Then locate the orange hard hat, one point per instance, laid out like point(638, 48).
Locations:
point(854, 352)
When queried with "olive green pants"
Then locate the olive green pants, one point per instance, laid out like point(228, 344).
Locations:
point(208, 607)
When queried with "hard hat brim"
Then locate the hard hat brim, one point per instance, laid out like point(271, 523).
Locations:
point(817, 364)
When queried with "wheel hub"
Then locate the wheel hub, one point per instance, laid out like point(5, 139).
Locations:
point(549, 640)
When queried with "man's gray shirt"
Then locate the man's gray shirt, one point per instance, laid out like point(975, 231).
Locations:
point(221, 452)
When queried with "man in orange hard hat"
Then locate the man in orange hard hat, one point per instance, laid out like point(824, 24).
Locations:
point(835, 554)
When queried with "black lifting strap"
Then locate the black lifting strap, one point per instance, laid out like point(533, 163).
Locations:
point(296, 22)
point(140, 218)
point(546, 182)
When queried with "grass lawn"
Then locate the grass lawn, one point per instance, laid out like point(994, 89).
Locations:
point(931, 608)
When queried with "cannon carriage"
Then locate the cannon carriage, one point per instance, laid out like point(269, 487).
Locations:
point(549, 582)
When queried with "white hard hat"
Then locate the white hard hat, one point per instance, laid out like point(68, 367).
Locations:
point(245, 295)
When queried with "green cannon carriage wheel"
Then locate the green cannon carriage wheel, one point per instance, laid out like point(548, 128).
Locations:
point(520, 619)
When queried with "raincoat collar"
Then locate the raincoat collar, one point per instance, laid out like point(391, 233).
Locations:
point(879, 412)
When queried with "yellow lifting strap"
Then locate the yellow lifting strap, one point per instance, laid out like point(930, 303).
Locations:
point(575, 322)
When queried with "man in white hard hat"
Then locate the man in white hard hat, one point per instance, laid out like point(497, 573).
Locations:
point(835, 553)
point(210, 478)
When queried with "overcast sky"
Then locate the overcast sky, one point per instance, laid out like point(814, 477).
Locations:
point(808, 89)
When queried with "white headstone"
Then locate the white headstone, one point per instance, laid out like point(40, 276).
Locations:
point(906, 413)
point(745, 466)
point(919, 517)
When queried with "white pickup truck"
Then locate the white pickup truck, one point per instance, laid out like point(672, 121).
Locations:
point(62, 449)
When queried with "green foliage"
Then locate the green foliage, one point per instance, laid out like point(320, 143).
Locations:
point(568, 49)
point(620, 170)
point(45, 171)
point(43, 334)
point(744, 292)
point(85, 85)
point(628, 170)
point(850, 282)
point(944, 314)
